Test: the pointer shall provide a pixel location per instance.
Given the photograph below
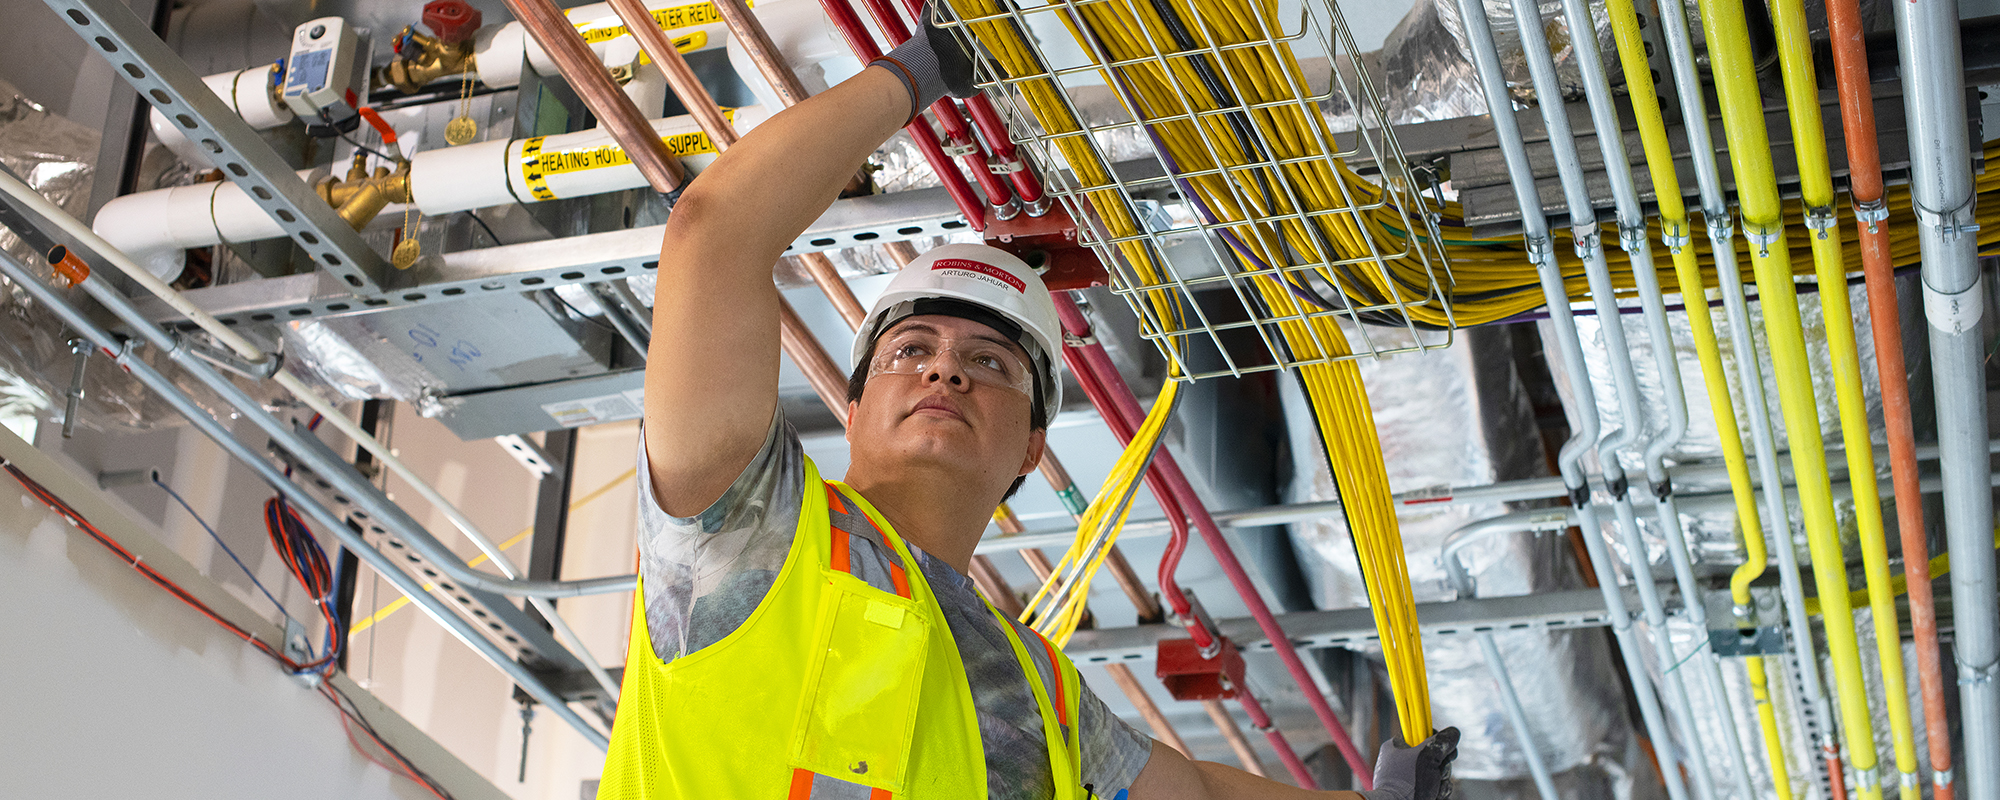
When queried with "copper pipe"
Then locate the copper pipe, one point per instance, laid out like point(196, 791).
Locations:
point(828, 279)
point(812, 360)
point(1857, 119)
point(757, 44)
point(1234, 735)
point(680, 77)
point(592, 82)
point(946, 111)
point(901, 250)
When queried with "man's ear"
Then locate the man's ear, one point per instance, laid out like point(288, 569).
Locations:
point(1038, 443)
point(849, 431)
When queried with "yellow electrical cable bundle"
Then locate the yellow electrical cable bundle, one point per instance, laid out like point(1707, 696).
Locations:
point(1188, 112)
point(1058, 607)
point(1678, 234)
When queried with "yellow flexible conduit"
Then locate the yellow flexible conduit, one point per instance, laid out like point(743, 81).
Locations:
point(1816, 190)
point(1057, 608)
point(1763, 222)
point(1678, 235)
point(1169, 92)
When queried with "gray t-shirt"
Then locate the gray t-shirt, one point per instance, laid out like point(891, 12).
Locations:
point(704, 575)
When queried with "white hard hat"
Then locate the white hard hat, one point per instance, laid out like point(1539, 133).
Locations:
point(964, 280)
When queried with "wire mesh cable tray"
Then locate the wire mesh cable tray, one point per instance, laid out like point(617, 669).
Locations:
point(1274, 222)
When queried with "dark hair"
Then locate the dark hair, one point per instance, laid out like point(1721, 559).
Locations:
point(859, 381)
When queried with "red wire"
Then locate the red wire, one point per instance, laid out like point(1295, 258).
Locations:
point(348, 719)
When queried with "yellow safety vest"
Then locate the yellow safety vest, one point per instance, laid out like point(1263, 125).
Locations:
point(832, 689)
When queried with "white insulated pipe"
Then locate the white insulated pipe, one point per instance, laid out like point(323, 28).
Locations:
point(154, 227)
point(246, 91)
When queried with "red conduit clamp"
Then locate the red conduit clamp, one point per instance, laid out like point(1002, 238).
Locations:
point(1049, 243)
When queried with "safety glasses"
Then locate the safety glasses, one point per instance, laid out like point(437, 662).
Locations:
point(985, 361)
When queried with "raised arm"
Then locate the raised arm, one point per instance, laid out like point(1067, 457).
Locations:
point(712, 370)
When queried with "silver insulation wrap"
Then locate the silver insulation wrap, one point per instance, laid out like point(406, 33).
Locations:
point(1450, 417)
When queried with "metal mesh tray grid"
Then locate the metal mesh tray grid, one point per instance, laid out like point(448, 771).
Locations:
point(1173, 245)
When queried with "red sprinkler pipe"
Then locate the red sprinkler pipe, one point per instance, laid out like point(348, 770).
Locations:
point(1115, 401)
point(968, 148)
point(864, 47)
point(1122, 426)
point(1026, 185)
point(1864, 164)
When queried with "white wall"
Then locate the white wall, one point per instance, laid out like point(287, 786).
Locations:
point(110, 688)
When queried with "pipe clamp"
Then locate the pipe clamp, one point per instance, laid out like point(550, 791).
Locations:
point(1541, 250)
point(1820, 219)
point(1872, 212)
point(1631, 237)
point(956, 149)
point(1674, 235)
point(1720, 226)
point(1763, 237)
point(1001, 166)
point(1586, 241)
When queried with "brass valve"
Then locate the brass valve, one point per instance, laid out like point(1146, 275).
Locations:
point(362, 195)
point(421, 59)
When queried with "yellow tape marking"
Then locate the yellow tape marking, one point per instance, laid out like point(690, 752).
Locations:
point(538, 164)
point(692, 14)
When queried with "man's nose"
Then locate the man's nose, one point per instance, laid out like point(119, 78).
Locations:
point(945, 367)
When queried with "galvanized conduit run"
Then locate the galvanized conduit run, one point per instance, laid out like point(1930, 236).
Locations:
point(1486, 57)
point(1632, 237)
point(340, 474)
point(1941, 190)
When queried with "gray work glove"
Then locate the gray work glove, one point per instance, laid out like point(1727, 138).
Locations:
point(931, 65)
point(1423, 772)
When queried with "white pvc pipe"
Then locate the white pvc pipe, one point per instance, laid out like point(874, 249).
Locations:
point(154, 227)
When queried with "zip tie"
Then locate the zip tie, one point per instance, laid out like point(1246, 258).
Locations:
point(1872, 212)
point(1820, 219)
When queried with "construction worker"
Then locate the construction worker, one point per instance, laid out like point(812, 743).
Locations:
point(797, 637)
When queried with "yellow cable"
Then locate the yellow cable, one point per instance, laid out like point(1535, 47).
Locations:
point(1678, 236)
point(1763, 222)
point(398, 603)
point(1940, 565)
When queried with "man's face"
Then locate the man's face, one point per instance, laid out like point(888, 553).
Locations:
point(966, 406)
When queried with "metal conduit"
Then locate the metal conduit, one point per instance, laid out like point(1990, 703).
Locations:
point(1632, 237)
point(1584, 229)
point(1486, 58)
point(1941, 191)
point(336, 472)
point(1517, 718)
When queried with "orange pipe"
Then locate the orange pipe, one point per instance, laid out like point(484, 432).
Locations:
point(1864, 163)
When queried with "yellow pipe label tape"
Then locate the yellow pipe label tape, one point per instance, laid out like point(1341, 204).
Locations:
point(670, 18)
point(538, 164)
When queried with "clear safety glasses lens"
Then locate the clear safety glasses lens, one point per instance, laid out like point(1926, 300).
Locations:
point(984, 361)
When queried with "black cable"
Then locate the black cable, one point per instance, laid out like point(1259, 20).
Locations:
point(485, 227)
point(366, 149)
point(579, 313)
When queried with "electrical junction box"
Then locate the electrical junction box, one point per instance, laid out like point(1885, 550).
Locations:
point(319, 74)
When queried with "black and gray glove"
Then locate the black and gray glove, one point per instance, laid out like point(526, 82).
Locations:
point(1423, 772)
point(932, 64)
